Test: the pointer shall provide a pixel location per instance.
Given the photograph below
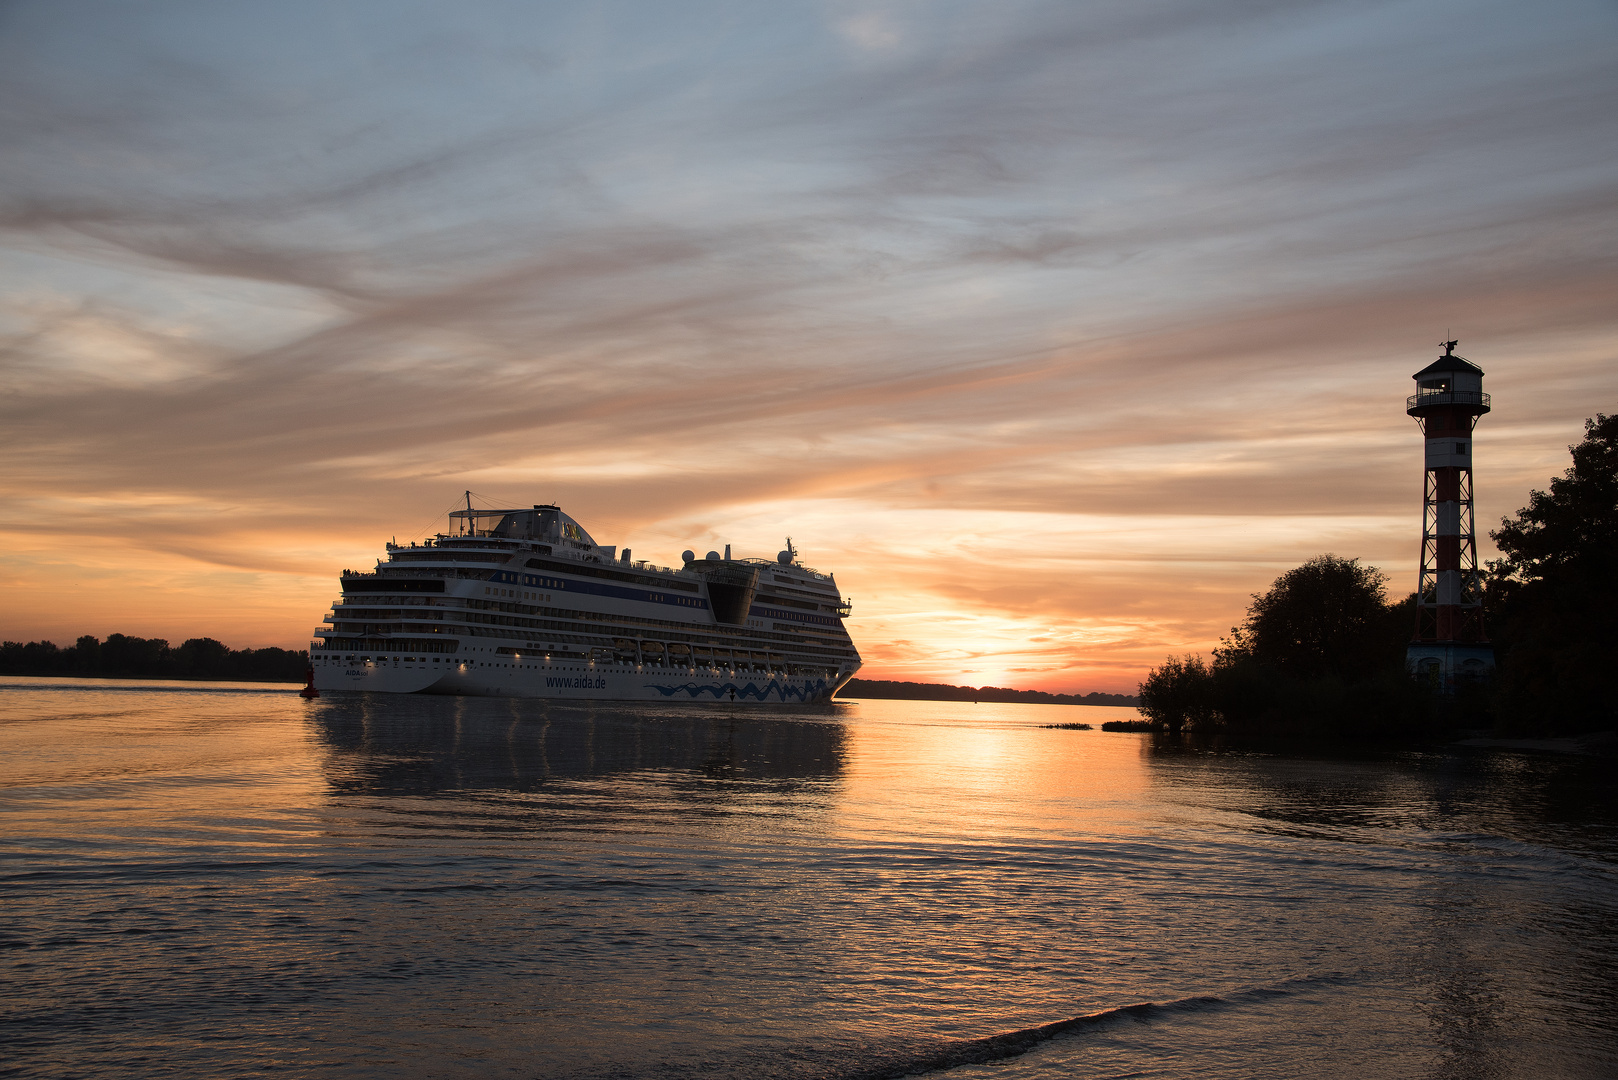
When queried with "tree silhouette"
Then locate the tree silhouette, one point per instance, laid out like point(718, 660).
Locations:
point(1552, 596)
point(1329, 616)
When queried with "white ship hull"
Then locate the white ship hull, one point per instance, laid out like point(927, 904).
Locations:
point(572, 682)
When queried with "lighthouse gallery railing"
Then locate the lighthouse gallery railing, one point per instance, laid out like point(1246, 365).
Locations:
point(1448, 397)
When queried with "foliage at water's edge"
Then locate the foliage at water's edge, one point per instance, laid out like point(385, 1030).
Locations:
point(1321, 653)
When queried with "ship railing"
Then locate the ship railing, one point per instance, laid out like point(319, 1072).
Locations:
point(643, 565)
point(776, 564)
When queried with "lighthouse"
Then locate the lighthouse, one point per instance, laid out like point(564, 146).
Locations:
point(1449, 644)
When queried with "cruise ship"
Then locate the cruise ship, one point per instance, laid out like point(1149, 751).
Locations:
point(523, 603)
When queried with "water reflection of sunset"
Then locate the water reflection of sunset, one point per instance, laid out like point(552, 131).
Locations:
point(237, 879)
point(987, 774)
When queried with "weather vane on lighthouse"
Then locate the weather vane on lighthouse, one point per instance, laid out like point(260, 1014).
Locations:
point(1449, 640)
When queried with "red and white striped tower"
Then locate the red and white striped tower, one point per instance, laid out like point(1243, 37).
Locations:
point(1449, 641)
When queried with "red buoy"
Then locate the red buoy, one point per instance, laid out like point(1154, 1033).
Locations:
point(309, 691)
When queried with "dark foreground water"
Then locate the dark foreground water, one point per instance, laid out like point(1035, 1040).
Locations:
point(229, 881)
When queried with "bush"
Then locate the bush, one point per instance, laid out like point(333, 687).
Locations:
point(1179, 693)
point(1320, 655)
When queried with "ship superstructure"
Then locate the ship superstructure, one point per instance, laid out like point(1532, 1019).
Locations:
point(523, 603)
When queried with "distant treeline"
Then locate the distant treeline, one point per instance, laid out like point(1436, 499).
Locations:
point(918, 691)
point(123, 657)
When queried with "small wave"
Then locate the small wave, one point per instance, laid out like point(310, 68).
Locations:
point(1012, 1044)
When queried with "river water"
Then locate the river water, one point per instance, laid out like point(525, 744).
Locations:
point(226, 880)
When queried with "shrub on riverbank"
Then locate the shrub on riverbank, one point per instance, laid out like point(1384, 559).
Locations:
point(1130, 725)
point(1320, 655)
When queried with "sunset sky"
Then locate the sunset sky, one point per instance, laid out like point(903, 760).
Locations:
point(1053, 329)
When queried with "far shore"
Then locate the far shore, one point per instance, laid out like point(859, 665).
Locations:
point(865, 688)
point(918, 691)
point(80, 677)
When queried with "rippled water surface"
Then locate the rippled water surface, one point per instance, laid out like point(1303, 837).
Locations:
point(229, 881)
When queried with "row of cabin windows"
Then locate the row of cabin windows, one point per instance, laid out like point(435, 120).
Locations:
point(647, 656)
point(517, 594)
point(521, 594)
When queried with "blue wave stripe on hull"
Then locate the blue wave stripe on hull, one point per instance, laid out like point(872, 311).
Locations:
point(751, 690)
